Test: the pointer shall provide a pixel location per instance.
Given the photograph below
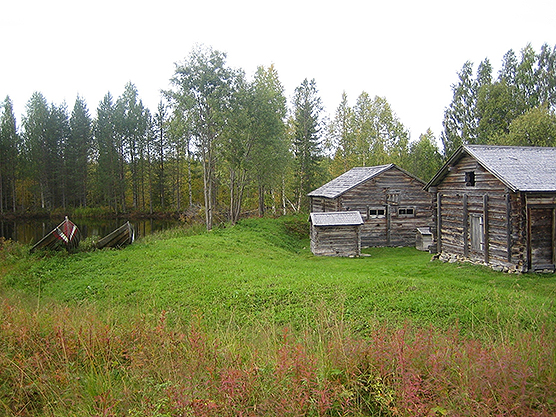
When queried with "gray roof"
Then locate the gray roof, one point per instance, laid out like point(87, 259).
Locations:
point(520, 168)
point(352, 178)
point(336, 218)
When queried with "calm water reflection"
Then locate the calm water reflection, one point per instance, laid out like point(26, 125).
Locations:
point(31, 231)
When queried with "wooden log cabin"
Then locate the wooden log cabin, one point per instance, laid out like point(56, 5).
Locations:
point(391, 201)
point(336, 234)
point(496, 205)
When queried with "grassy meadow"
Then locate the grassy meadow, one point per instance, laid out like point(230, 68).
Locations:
point(244, 320)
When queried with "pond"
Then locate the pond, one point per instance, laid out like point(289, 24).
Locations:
point(30, 231)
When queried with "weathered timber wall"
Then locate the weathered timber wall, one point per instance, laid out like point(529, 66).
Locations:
point(336, 240)
point(541, 223)
point(323, 204)
point(504, 240)
point(389, 190)
point(541, 243)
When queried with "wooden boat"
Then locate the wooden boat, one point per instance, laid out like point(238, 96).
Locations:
point(122, 236)
point(66, 234)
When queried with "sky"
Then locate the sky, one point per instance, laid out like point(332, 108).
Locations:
point(407, 51)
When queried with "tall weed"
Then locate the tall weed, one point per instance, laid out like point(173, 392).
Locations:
point(57, 360)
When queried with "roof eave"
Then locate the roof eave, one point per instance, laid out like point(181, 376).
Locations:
point(498, 176)
point(457, 155)
point(358, 221)
point(442, 172)
point(386, 168)
point(470, 150)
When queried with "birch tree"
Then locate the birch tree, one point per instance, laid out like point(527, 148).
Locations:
point(255, 145)
point(203, 87)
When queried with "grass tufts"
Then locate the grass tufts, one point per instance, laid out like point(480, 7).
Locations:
point(81, 361)
point(243, 320)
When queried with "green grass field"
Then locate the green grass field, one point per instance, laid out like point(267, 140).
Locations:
point(260, 270)
point(248, 285)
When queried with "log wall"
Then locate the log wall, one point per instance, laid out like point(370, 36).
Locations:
point(389, 191)
point(323, 204)
point(336, 240)
point(541, 222)
point(502, 214)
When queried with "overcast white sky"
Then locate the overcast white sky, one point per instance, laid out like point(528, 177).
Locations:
point(408, 51)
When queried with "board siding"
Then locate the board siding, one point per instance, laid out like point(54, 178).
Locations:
point(505, 213)
point(392, 229)
point(335, 240)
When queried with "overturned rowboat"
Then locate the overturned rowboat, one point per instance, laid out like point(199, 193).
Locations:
point(122, 236)
point(66, 234)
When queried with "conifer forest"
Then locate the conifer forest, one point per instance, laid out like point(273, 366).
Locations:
point(221, 144)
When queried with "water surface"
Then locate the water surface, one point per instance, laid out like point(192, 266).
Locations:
point(30, 231)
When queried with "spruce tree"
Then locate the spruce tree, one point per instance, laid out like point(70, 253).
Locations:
point(9, 160)
point(306, 140)
point(77, 153)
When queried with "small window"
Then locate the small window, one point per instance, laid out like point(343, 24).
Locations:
point(406, 212)
point(470, 179)
point(393, 197)
point(376, 212)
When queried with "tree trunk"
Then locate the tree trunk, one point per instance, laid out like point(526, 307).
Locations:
point(284, 212)
point(208, 186)
point(273, 196)
point(2, 194)
point(237, 189)
point(261, 200)
point(189, 178)
point(178, 175)
point(233, 197)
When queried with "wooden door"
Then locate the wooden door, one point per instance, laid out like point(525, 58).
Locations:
point(477, 232)
point(542, 238)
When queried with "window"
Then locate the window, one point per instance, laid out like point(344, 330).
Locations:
point(470, 179)
point(376, 212)
point(393, 197)
point(406, 211)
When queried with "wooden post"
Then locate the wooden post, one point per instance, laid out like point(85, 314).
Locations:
point(509, 226)
point(528, 225)
point(358, 234)
point(465, 227)
point(554, 235)
point(486, 231)
point(439, 222)
point(388, 225)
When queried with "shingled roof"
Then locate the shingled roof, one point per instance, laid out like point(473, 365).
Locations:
point(520, 168)
point(336, 218)
point(351, 179)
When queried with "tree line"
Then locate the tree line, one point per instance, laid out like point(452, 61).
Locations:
point(224, 144)
point(516, 107)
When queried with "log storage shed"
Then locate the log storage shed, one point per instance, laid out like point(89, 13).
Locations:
point(391, 202)
point(496, 205)
point(336, 234)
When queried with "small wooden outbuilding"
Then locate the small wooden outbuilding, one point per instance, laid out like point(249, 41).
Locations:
point(336, 234)
point(496, 205)
point(391, 202)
